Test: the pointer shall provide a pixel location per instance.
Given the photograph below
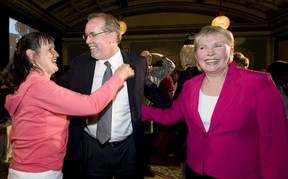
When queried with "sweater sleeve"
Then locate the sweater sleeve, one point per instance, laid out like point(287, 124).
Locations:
point(47, 94)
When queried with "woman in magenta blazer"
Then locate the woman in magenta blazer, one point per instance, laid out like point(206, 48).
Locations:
point(236, 117)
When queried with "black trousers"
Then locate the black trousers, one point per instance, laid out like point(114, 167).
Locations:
point(116, 160)
point(191, 174)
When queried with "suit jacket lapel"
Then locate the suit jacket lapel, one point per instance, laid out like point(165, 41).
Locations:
point(128, 60)
point(131, 81)
point(89, 69)
point(131, 84)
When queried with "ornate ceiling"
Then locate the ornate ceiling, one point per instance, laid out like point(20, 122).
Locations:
point(150, 16)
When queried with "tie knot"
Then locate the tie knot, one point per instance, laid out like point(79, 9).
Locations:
point(107, 64)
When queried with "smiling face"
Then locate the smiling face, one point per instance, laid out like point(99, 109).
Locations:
point(213, 54)
point(102, 43)
point(45, 58)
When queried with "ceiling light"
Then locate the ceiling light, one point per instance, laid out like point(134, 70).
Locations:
point(123, 26)
point(221, 20)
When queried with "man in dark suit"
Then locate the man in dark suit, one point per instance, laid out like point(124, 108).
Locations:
point(121, 156)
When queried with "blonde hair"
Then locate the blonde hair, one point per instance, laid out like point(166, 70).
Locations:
point(215, 31)
point(187, 58)
point(241, 60)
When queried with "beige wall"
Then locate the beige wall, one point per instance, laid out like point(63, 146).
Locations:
point(258, 48)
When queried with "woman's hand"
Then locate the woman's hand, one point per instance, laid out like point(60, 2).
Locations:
point(125, 71)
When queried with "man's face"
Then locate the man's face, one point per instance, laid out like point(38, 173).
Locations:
point(100, 42)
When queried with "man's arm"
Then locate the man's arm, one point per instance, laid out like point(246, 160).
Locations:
point(161, 72)
point(153, 94)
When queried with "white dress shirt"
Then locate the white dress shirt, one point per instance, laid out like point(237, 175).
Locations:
point(121, 115)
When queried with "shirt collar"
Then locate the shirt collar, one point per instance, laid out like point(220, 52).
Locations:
point(116, 60)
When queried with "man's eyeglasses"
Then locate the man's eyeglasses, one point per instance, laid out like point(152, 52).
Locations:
point(92, 35)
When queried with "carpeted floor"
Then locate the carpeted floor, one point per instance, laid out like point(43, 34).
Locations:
point(161, 172)
point(165, 172)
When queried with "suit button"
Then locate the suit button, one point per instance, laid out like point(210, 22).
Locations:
point(205, 136)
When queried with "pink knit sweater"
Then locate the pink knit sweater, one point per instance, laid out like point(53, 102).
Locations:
point(39, 126)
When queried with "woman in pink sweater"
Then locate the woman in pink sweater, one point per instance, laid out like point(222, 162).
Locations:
point(38, 107)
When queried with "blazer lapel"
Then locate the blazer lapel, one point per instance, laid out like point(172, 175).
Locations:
point(227, 97)
point(194, 98)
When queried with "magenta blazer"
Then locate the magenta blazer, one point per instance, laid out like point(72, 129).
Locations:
point(248, 134)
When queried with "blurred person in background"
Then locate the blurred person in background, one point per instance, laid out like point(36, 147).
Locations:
point(162, 67)
point(241, 60)
point(279, 72)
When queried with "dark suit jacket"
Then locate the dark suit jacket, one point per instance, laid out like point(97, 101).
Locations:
point(79, 78)
point(185, 75)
